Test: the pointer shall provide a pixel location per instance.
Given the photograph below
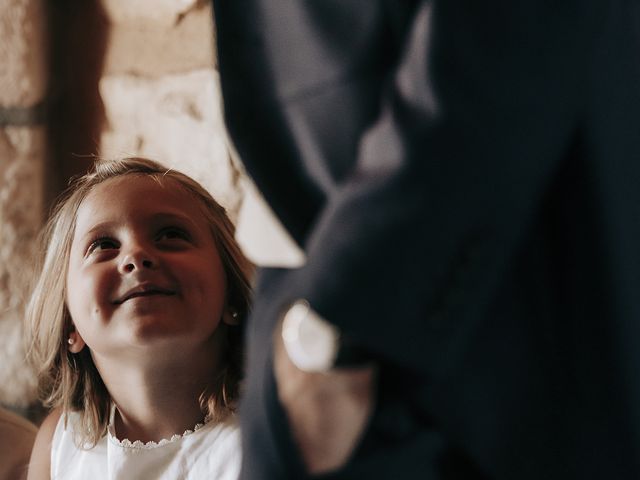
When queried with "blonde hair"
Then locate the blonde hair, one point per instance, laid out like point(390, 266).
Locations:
point(72, 381)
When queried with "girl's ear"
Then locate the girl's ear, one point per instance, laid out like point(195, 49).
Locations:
point(230, 316)
point(75, 342)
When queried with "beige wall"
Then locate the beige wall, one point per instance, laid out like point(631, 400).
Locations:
point(160, 92)
point(23, 82)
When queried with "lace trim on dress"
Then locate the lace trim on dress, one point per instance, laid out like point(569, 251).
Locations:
point(126, 443)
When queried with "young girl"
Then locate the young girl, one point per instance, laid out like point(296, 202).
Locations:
point(135, 326)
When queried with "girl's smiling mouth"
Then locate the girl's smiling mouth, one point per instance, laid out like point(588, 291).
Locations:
point(144, 290)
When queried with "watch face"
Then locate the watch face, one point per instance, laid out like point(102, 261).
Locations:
point(310, 341)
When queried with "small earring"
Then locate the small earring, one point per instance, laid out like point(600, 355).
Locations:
point(71, 340)
point(231, 316)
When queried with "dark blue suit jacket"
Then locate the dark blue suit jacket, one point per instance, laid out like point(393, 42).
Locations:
point(464, 179)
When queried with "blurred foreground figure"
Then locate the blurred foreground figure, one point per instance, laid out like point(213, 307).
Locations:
point(16, 440)
point(463, 177)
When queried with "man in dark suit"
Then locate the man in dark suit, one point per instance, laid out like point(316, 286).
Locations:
point(463, 177)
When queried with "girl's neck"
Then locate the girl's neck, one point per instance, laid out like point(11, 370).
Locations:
point(159, 400)
point(154, 422)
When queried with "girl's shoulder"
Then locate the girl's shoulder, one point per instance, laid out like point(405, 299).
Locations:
point(40, 463)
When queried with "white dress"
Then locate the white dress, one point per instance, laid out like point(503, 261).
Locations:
point(210, 451)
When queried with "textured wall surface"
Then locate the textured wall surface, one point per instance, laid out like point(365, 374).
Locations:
point(22, 53)
point(22, 156)
point(161, 95)
point(174, 118)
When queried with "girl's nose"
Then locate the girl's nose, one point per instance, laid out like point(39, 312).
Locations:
point(137, 260)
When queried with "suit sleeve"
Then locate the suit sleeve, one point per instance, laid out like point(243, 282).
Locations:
point(478, 113)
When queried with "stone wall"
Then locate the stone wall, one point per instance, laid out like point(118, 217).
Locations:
point(160, 92)
point(23, 86)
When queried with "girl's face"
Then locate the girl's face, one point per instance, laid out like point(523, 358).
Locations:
point(143, 269)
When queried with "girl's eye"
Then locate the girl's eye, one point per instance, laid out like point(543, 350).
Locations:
point(172, 233)
point(102, 244)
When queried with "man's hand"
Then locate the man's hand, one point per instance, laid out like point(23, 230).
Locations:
point(327, 412)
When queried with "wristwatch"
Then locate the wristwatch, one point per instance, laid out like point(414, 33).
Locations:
point(315, 345)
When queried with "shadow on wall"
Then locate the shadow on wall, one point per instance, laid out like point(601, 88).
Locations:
point(79, 32)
